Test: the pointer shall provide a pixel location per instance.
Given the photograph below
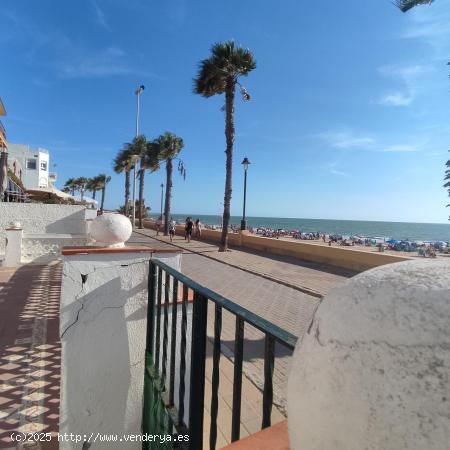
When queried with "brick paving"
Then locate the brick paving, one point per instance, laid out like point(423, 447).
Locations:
point(29, 352)
point(312, 278)
point(285, 306)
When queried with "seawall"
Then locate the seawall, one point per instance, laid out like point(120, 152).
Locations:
point(357, 260)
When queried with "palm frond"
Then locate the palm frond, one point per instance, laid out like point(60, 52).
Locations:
point(406, 5)
point(227, 60)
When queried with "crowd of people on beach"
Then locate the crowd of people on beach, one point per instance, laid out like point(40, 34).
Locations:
point(425, 249)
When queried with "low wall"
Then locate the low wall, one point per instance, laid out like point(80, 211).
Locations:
point(40, 218)
point(46, 228)
point(46, 247)
point(357, 260)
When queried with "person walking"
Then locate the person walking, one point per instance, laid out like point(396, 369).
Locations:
point(158, 225)
point(172, 229)
point(198, 228)
point(189, 229)
point(185, 227)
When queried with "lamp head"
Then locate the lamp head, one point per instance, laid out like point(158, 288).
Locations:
point(140, 89)
point(245, 163)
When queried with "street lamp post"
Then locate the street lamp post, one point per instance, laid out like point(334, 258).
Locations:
point(162, 195)
point(138, 93)
point(245, 163)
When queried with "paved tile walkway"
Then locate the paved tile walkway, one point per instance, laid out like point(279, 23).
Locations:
point(29, 352)
point(287, 307)
point(312, 278)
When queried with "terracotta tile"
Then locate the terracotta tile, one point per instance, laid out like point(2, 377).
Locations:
point(9, 366)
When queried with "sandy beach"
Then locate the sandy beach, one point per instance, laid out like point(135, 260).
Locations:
point(364, 248)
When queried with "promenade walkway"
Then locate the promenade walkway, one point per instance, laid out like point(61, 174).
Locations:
point(282, 290)
point(29, 352)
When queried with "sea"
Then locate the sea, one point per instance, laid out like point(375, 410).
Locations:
point(427, 232)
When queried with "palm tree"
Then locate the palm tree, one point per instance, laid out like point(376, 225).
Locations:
point(149, 161)
point(124, 162)
point(219, 74)
point(81, 183)
point(93, 186)
point(71, 186)
point(138, 147)
point(103, 180)
point(169, 146)
point(406, 5)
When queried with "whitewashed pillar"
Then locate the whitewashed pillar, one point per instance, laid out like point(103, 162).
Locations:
point(103, 334)
point(13, 249)
point(103, 323)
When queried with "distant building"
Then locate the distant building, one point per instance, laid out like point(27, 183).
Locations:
point(31, 166)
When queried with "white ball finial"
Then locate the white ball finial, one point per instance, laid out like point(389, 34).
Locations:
point(111, 229)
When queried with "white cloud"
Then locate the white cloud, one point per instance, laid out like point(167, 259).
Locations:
point(411, 76)
point(100, 16)
point(338, 172)
point(402, 148)
point(431, 26)
point(346, 139)
point(350, 140)
point(103, 63)
point(396, 99)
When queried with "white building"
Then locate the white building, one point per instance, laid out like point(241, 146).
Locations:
point(31, 166)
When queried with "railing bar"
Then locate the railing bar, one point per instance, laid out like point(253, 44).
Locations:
point(215, 376)
point(280, 335)
point(152, 290)
point(158, 319)
point(182, 387)
point(166, 325)
point(197, 380)
point(152, 293)
point(237, 379)
point(269, 359)
point(173, 341)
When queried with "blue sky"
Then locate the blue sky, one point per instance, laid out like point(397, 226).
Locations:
point(348, 117)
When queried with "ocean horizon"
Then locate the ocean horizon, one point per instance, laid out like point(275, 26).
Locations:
point(382, 229)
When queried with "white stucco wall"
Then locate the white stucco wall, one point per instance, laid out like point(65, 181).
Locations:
point(103, 334)
point(42, 248)
point(39, 218)
point(373, 370)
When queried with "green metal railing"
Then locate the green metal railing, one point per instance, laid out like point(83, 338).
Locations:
point(165, 411)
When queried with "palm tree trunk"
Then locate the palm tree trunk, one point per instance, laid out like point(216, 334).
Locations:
point(141, 195)
point(169, 170)
point(127, 193)
point(229, 135)
point(94, 191)
point(103, 199)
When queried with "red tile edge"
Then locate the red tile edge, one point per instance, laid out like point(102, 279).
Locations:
point(86, 250)
point(272, 438)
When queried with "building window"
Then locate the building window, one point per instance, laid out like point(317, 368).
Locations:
point(31, 164)
point(43, 165)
